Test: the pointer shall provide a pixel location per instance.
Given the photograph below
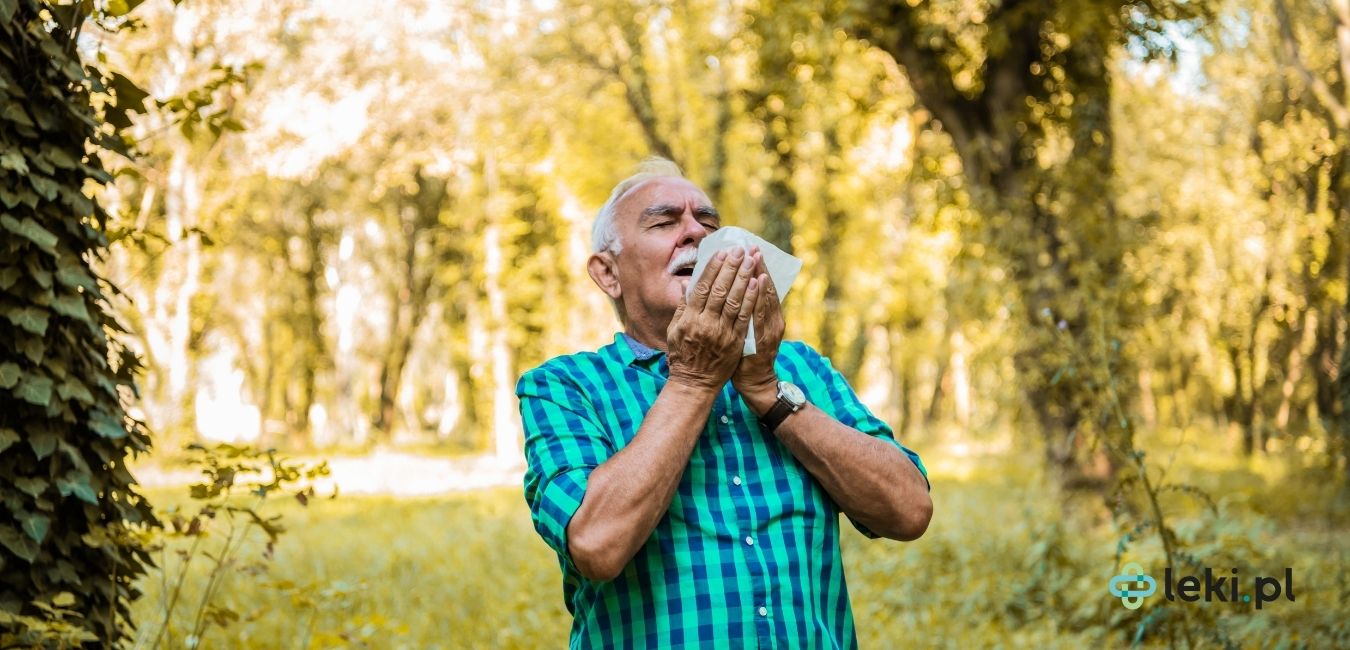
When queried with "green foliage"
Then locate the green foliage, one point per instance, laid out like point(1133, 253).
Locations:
point(217, 532)
point(68, 552)
point(1001, 566)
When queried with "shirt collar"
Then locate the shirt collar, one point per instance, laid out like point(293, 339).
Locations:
point(640, 351)
point(629, 351)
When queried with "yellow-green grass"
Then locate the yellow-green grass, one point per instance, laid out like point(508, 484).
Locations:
point(1004, 564)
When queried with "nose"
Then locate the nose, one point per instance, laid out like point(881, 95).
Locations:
point(691, 231)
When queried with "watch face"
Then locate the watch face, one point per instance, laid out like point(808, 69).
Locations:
point(791, 393)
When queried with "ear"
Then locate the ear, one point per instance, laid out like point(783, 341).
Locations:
point(604, 270)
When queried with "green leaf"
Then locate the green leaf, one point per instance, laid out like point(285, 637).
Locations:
point(72, 306)
point(79, 486)
point(31, 319)
point(73, 388)
point(36, 526)
point(8, 276)
point(31, 486)
point(42, 276)
point(35, 390)
point(15, 113)
point(7, 9)
point(9, 375)
point(61, 158)
point(70, 273)
point(47, 187)
point(34, 348)
point(76, 200)
point(67, 14)
point(104, 425)
point(42, 164)
point(119, 8)
point(10, 199)
point(18, 543)
point(43, 443)
point(130, 99)
point(15, 161)
point(13, 196)
point(30, 230)
point(7, 439)
point(102, 175)
point(70, 452)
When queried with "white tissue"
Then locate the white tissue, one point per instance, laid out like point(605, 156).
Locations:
point(783, 268)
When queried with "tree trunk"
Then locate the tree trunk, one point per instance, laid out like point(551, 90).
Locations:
point(1057, 269)
point(1294, 369)
point(418, 215)
point(505, 424)
point(316, 349)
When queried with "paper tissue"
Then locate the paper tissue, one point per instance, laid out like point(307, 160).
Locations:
point(782, 267)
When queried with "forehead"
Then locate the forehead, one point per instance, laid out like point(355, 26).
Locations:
point(663, 190)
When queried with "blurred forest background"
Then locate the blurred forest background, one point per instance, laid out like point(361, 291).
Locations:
point(1091, 258)
point(355, 224)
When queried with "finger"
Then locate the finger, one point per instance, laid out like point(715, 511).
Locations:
point(759, 260)
point(717, 296)
point(766, 298)
point(752, 296)
point(736, 296)
point(703, 285)
point(761, 268)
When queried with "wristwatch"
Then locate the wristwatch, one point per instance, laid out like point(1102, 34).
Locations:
point(790, 400)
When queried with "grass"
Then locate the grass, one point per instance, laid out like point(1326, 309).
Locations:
point(1003, 565)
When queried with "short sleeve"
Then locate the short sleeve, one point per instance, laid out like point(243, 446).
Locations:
point(563, 444)
point(842, 403)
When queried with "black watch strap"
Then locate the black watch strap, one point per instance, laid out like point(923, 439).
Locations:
point(781, 409)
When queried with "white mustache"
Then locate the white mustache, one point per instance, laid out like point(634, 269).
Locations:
point(686, 256)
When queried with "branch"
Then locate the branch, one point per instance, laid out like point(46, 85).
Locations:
point(900, 36)
point(638, 93)
point(1339, 114)
point(588, 57)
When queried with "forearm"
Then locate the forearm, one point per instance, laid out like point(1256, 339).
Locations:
point(627, 495)
point(870, 479)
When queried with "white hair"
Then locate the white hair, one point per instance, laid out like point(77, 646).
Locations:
point(605, 233)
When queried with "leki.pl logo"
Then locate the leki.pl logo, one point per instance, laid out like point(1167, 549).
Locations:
point(1140, 585)
point(1132, 586)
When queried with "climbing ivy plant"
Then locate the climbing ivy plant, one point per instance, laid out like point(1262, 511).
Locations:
point(70, 517)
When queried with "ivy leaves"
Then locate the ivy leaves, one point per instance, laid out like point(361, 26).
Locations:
point(64, 431)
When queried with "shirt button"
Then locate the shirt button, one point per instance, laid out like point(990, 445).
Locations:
point(726, 420)
point(749, 541)
point(735, 480)
point(764, 611)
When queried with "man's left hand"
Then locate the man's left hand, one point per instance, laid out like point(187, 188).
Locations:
point(755, 378)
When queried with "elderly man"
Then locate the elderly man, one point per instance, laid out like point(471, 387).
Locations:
point(693, 495)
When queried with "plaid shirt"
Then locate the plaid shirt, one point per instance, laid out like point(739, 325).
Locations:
point(748, 553)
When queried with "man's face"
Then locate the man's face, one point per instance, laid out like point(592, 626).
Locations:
point(660, 224)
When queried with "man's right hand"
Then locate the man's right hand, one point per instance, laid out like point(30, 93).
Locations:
point(707, 334)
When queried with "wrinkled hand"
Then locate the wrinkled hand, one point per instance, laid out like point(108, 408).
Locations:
point(755, 378)
point(707, 333)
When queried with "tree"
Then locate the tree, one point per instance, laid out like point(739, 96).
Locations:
point(1023, 90)
point(68, 555)
point(1325, 75)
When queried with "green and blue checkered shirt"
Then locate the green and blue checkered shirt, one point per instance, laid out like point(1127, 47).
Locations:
point(748, 553)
